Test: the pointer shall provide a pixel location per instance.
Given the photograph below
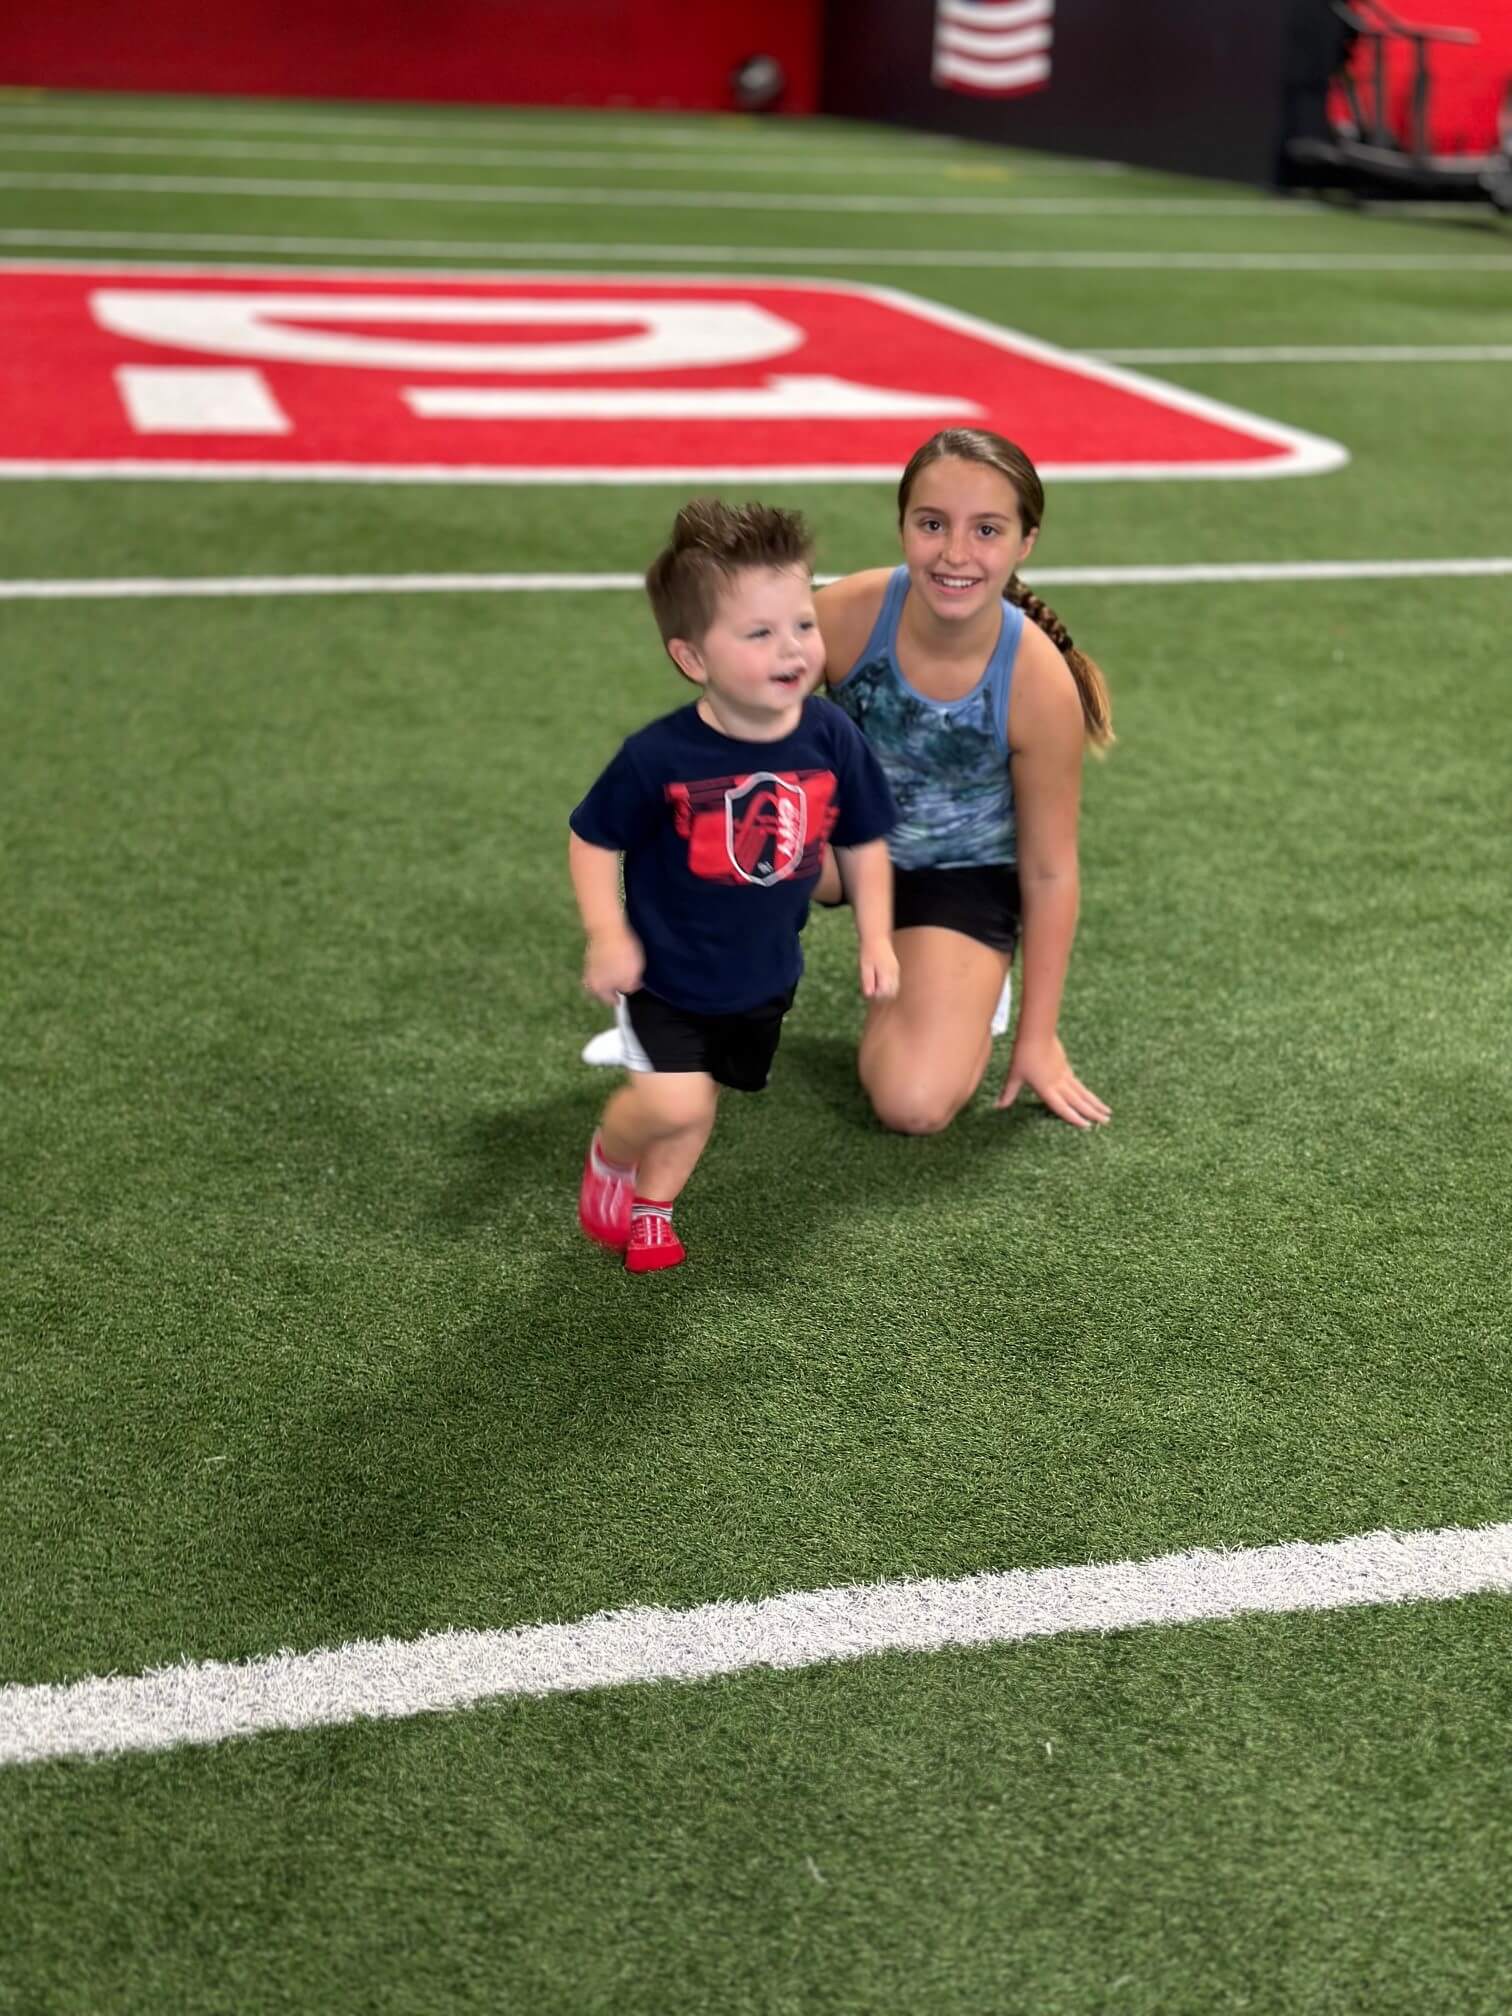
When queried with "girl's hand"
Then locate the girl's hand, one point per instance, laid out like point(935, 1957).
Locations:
point(879, 971)
point(1044, 1068)
point(613, 964)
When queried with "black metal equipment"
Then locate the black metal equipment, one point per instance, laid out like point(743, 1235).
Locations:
point(1364, 155)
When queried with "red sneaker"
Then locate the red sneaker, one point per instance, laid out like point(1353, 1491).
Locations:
point(653, 1244)
point(604, 1199)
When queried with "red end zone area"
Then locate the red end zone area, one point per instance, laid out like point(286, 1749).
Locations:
point(394, 376)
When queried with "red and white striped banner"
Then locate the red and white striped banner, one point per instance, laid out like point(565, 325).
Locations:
point(992, 48)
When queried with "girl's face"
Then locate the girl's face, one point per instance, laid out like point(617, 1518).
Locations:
point(963, 536)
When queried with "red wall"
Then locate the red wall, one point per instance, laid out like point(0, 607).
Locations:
point(1467, 83)
point(512, 52)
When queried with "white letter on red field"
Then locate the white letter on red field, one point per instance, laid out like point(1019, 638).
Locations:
point(277, 328)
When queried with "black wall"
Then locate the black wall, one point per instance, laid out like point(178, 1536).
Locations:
point(1191, 85)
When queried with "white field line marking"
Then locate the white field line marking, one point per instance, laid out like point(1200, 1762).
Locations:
point(103, 110)
point(788, 255)
point(473, 122)
point(387, 1677)
point(1321, 353)
point(1219, 572)
point(121, 588)
point(668, 161)
point(745, 136)
point(524, 194)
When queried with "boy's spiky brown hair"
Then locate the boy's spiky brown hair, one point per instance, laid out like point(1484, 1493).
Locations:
point(711, 543)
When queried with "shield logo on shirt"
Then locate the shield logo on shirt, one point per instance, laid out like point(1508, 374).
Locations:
point(766, 825)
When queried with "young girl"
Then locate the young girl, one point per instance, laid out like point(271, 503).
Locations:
point(979, 721)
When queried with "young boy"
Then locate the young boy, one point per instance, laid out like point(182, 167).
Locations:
point(721, 811)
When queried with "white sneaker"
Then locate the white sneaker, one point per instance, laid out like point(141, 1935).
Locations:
point(1004, 1008)
point(607, 1048)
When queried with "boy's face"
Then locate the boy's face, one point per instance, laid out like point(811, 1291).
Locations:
point(762, 653)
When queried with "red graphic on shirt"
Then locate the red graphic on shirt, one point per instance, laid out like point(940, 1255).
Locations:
point(763, 828)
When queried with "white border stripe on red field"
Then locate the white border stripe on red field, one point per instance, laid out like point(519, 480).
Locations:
point(148, 588)
point(1303, 454)
point(942, 256)
point(817, 472)
point(385, 1678)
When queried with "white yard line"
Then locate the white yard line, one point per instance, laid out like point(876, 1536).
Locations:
point(212, 587)
point(105, 110)
point(747, 137)
point(945, 257)
point(469, 121)
point(1216, 573)
point(681, 198)
point(146, 588)
point(668, 161)
point(1321, 353)
point(208, 1701)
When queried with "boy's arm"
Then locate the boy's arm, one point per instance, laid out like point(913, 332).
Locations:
point(613, 961)
point(866, 873)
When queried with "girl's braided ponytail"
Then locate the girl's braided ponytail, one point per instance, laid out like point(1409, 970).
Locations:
point(1091, 687)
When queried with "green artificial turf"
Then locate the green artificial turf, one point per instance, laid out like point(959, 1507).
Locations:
point(1222, 1818)
point(302, 1343)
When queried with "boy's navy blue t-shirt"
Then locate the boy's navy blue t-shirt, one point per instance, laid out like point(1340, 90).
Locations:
point(723, 842)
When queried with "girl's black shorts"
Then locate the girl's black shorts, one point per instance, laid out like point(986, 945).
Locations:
point(735, 1050)
point(981, 903)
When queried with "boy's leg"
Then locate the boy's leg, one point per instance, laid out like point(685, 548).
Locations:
point(658, 1124)
point(643, 1150)
point(665, 1117)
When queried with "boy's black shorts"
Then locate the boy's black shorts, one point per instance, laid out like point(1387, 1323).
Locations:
point(735, 1050)
point(981, 903)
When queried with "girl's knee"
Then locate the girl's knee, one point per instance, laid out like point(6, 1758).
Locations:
point(915, 1109)
point(915, 1119)
point(909, 1097)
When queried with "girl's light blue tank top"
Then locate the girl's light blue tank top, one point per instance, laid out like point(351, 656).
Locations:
point(946, 760)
